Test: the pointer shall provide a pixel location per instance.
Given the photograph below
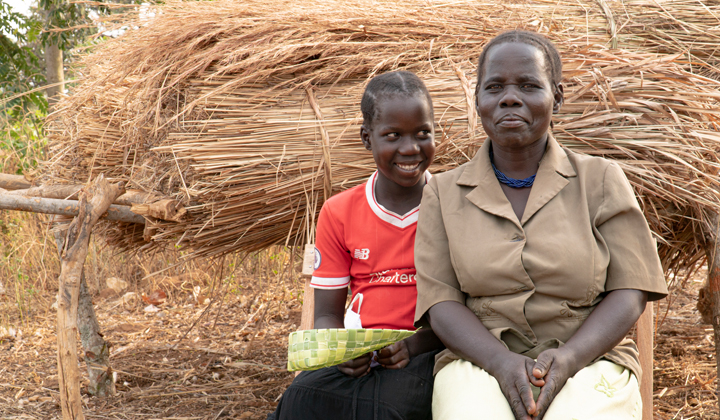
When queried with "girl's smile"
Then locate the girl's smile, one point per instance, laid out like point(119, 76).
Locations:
point(402, 139)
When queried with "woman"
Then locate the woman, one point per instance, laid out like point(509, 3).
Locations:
point(533, 262)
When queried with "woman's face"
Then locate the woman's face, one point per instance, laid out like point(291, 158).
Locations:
point(516, 98)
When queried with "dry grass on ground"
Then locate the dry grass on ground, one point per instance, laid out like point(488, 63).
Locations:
point(231, 363)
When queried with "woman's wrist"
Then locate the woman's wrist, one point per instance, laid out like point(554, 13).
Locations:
point(572, 359)
point(495, 361)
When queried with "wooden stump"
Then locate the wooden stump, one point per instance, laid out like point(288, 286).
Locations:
point(94, 202)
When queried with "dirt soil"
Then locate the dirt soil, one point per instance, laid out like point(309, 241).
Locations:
point(226, 359)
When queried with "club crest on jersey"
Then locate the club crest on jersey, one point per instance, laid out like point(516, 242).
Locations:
point(362, 254)
point(318, 259)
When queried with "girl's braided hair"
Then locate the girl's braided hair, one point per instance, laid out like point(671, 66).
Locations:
point(402, 83)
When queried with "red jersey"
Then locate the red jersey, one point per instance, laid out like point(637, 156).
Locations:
point(361, 244)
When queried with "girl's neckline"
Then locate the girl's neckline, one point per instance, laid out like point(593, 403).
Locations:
point(389, 216)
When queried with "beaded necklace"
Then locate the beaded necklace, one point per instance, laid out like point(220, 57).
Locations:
point(511, 182)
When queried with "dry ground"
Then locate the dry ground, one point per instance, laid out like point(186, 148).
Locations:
point(231, 364)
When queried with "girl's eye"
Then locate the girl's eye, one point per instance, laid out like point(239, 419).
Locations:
point(424, 133)
point(392, 135)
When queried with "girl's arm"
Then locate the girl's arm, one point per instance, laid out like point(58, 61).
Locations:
point(398, 355)
point(463, 333)
point(330, 307)
point(606, 326)
point(329, 313)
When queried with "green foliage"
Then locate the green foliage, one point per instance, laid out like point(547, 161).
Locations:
point(67, 23)
point(20, 69)
point(22, 107)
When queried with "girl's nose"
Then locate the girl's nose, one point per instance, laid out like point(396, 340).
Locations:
point(510, 98)
point(409, 147)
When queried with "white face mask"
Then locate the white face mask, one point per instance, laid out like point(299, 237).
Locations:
point(352, 318)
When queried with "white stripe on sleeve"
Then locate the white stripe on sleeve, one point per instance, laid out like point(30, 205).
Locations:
point(329, 282)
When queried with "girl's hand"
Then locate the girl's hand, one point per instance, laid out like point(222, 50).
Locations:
point(394, 356)
point(514, 375)
point(554, 367)
point(357, 367)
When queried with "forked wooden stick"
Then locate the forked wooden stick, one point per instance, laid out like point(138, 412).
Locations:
point(94, 202)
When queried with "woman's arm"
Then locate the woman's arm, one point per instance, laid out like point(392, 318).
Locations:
point(329, 313)
point(606, 326)
point(463, 333)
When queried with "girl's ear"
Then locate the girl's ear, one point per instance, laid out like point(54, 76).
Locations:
point(559, 98)
point(365, 136)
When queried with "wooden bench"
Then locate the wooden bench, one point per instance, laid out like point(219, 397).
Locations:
point(645, 332)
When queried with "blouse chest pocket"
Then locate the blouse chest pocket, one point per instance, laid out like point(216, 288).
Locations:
point(563, 255)
point(487, 257)
point(555, 253)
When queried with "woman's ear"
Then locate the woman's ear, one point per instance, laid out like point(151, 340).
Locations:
point(365, 136)
point(559, 98)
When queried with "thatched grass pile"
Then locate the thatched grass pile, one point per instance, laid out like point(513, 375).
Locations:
point(248, 111)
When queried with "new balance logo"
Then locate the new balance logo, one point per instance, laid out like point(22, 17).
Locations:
point(362, 254)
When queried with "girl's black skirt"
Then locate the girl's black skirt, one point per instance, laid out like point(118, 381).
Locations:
point(382, 394)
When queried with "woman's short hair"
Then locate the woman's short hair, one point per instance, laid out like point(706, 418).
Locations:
point(552, 56)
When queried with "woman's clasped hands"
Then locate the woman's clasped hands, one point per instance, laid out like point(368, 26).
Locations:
point(517, 375)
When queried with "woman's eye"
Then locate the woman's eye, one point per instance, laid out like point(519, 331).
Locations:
point(529, 86)
point(494, 86)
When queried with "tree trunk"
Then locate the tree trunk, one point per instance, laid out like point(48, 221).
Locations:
point(93, 203)
point(54, 72)
point(711, 292)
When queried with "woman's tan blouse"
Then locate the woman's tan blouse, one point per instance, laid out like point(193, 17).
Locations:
point(533, 282)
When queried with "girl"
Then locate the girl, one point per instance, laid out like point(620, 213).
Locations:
point(533, 261)
point(364, 241)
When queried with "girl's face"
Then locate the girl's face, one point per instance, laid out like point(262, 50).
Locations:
point(402, 138)
point(516, 98)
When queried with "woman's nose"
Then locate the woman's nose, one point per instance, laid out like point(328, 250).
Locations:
point(510, 98)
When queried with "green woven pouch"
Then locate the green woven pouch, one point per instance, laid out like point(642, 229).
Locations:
point(315, 349)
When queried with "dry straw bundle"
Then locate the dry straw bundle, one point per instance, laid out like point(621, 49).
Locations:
point(248, 111)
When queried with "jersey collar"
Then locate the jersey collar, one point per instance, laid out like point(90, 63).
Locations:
point(401, 221)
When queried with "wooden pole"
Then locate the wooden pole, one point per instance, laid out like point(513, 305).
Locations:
point(141, 203)
point(712, 288)
point(307, 318)
point(645, 332)
point(96, 352)
point(13, 182)
point(93, 203)
point(70, 192)
point(63, 207)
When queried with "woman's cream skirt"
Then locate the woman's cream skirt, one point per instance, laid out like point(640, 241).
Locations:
point(601, 391)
